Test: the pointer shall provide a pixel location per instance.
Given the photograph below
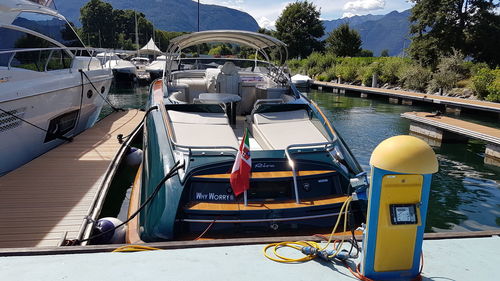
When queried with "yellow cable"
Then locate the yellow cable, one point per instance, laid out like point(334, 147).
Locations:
point(134, 248)
point(298, 245)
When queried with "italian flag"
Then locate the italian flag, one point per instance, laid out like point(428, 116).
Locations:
point(240, 175)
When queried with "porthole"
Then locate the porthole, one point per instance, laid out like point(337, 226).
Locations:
point(89, 94)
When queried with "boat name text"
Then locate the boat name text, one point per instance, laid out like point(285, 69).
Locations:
point(214, 196)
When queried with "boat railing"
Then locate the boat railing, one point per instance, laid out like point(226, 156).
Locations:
point(36, 60)
point(291, 162)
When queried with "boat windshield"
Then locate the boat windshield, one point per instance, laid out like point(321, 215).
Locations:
point(50, 26)
point(241, 64)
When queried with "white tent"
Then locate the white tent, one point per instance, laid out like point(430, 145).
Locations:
point(150, 49)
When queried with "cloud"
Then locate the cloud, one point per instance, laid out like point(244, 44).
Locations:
point(348, 15)
point(364, 5)
point(266, 23)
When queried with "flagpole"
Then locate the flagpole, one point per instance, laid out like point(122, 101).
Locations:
point(245, 200)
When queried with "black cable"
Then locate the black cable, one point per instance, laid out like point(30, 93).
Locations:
point(121, 138)
point(99, 93)
point(157, 189)
point(70, 139)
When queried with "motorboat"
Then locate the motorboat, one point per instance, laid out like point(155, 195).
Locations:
point(156, 67)
point(198, 118)
point(51, 88)
point(140, 64)
point(301, 81)
point(123, 70)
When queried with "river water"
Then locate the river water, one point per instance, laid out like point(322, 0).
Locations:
point(465, 193)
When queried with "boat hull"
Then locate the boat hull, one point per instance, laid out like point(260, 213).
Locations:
point(45, 102)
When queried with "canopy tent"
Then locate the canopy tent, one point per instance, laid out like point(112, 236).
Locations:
point(150, 49)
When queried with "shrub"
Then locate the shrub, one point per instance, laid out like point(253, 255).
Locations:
point(480, 82)
point(331, 74)
point(313, 60)
point(347, 71)
point(389, 70)
point(415, 77)
point(494, 87)
point(449, 71)
point(314, 71)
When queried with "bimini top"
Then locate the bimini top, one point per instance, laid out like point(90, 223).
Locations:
point(254, 40)
point(251, 39)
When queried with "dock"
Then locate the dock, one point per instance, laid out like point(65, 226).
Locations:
point(452, 104)
point(440, 128)
point(447, 256)
point(48, 199)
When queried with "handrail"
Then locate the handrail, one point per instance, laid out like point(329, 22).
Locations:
point(264, 101)
point(292, 164)
point(91, 51)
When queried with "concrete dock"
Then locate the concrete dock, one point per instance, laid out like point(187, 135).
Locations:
point(442, 129)
point(48, 198)
point(444, 259)
point(406, 97)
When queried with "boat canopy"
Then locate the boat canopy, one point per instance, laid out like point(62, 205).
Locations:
point(254, 40)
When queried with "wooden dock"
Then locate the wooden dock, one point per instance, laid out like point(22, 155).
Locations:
point(442, 128)
point(49, 197)
point(452, 103)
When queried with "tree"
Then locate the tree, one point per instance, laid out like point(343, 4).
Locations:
point(221, 50)
point(344, 41)
point(300, 28)
point(384, 53)
point(470, 26)
point(365, 53)
point(95, 17)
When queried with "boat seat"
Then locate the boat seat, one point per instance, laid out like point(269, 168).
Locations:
point(201, 129)
point(228, 80)
point(277, 130)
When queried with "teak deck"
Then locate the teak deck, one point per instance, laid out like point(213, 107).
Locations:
point(50, 196)
point(459, 102)
point(457, 126)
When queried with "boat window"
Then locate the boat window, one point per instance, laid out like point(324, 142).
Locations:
point(59, 60)
point(50, 26)
point(32, 60)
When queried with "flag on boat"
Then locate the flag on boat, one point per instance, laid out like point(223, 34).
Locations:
point(240, 175)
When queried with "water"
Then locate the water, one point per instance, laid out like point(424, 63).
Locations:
point(465, 193)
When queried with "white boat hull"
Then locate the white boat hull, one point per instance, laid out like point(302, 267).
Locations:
point(41, 98)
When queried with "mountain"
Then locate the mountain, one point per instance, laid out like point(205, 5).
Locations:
point(352, 21)
point(379, 32)
point(172, 15)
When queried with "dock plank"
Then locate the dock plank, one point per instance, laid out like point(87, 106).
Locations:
point(52, 194)
point(469, 129)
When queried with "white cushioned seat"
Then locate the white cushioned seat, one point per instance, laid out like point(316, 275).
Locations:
point(201, 129)
point(277, 130)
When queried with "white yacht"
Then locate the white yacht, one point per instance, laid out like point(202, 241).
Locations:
point(156, 67)
point(123, 70)
point(51, 88)
point(140, 64)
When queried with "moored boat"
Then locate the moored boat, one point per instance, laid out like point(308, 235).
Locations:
point(51, 87)
point(301, 169)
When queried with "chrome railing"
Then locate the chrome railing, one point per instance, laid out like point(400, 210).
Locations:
point(292, 163)
point(71, 53)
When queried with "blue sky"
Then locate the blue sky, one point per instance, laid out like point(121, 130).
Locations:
point(267, 11)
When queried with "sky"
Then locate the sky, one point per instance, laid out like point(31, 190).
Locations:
point(266, 12)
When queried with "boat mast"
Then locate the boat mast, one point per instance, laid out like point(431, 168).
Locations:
point(136, 34)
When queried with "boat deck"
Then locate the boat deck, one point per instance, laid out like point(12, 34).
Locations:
point(49, 197)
